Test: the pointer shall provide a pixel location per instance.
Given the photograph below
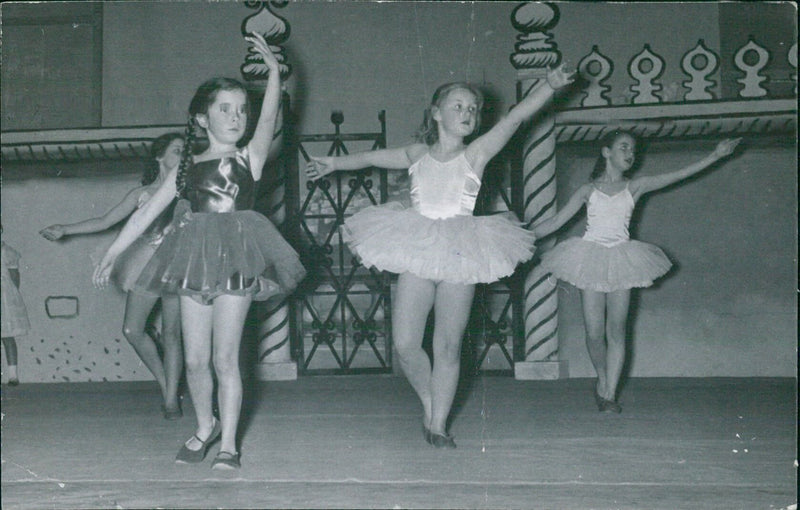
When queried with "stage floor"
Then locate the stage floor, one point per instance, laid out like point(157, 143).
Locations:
point(356, 442)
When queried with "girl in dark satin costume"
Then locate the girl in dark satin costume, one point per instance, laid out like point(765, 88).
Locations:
point(220, 255)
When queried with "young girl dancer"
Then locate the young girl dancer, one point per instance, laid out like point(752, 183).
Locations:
point(438, 248)
point(605, 264)
point(166, 153)
point(221, 255)
point(14, 314)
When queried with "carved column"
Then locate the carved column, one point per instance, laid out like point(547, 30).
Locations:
point(274, 350)
point(534, 53)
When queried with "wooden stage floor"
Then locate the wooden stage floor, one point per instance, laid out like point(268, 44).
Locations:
point(356, 442)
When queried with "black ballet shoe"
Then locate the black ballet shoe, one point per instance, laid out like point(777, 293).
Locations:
point(609, 406)
point(426, 433)
point(187, 456)
point(442, 441)
point(599, 401)
point(13, 382)
point(226, 461)
point(172, 413)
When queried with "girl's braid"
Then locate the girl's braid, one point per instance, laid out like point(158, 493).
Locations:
point(186, 158)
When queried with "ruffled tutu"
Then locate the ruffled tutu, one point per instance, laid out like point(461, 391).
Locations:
point(460, 249)
point(205, 255)
point(592, 266)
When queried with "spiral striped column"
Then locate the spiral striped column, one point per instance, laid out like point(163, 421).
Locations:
point(534, 53)
point(274, 347)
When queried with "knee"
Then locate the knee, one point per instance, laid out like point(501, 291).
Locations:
point(171, 334)
point(406, 351)
point(226, 365)
point(132, 334)
point(615, 336)
point(447, 351)
point(196, 365)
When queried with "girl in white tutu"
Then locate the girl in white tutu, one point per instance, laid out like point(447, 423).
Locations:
point(220, 254)
point(166, 153)
point(605, 263)
point(439, 249)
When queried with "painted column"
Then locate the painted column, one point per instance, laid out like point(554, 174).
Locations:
point(534, 54)
point(274, 360)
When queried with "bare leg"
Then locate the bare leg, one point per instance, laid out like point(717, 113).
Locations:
point(452, 305)
point(137, 309)
point(173, 350)
point(413, 301)
point(10, 346)
point(196, 321)
point(594, 311)
point(229, 315)
point(617, 304)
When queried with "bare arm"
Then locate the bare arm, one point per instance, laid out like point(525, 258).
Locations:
point(644, 185)
point(136, 225)
point(259, 146)
point(113, 216)
point(400, 158)
point(546, 227)
point(485, 147)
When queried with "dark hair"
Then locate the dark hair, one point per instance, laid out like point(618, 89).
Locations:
point(428, 132)
point(607, 141)
point(157, 150)
point(203, 99)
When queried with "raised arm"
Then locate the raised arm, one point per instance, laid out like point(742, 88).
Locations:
point(399, 158)
point(136, 225)
point(644, 185)
point(546, 227)
point(485, 147)
point(113, 216)
point(259, 146)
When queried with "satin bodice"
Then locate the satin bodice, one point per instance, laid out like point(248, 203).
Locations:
point(221, 185)
point(608, 217)
point(443, 189)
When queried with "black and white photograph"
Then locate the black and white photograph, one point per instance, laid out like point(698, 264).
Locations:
point(362, 254)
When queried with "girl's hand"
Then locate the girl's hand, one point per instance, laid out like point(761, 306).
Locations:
point(559, 77)
point(261, 47)
point(319, 167)
point(102, 272)
point(53, 232)
point(726, 147)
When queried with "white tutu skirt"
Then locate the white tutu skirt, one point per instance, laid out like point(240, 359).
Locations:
point(460, 249)
point(592, 266)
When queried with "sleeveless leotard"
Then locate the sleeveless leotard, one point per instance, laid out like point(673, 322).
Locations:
point(219, 245)
point(605, 259)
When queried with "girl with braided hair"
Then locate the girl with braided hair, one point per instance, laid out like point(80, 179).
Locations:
point(165, 153)
point(220, 254)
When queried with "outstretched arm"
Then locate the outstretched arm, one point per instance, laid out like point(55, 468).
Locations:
point(546, 227)
point(259, 146)
point(113, 216)
point(136, 225)
point(400, 158)
point(485, 147)
point(644, 185)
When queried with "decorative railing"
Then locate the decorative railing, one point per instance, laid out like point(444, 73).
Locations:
point(343, 312)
